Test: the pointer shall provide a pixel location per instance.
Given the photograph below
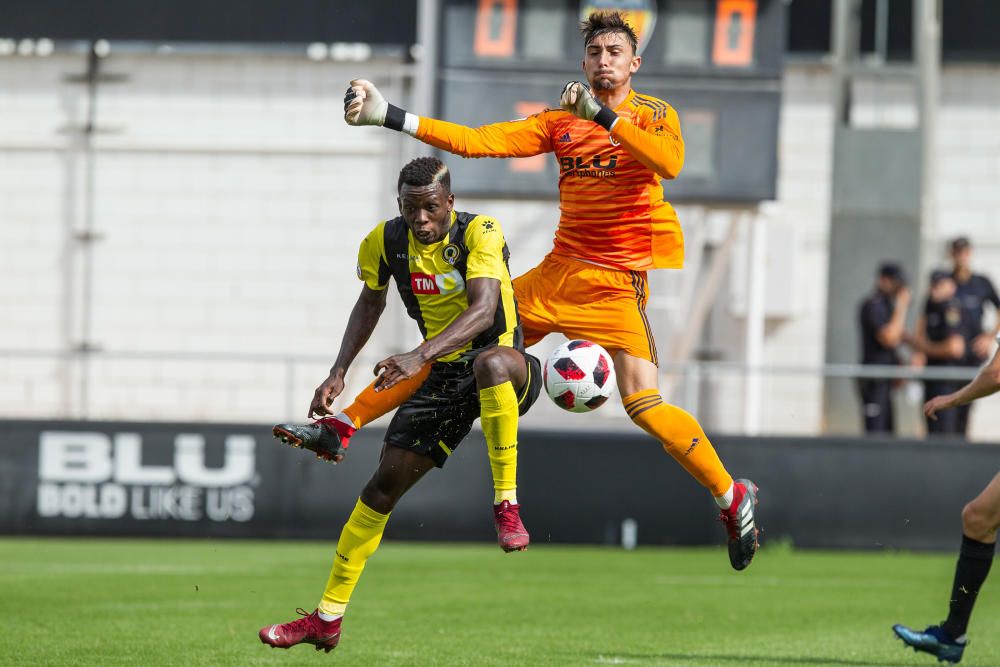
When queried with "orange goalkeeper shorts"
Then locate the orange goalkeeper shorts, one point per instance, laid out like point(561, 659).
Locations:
point(582, 300)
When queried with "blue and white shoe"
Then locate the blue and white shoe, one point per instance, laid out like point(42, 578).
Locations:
point(933, 640)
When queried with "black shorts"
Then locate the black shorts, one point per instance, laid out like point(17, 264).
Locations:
point(435, 419)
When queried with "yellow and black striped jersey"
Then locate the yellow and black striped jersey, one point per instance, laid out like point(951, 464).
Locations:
point(431, 278)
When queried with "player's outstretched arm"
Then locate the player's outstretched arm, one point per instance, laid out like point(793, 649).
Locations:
point(364, 105)
point(364, 316)
point(985, 383)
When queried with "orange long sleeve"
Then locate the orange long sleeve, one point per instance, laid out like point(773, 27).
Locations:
point(659, 147)
point(612, 210)
point(515, 138)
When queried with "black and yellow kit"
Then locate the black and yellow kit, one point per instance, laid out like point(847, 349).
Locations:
point(431, 279)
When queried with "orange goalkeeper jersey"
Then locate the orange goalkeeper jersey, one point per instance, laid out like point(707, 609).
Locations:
point(610, 197)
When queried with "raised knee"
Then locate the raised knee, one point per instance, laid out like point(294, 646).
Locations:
point(491, 366)
point(977, 522)
point(379, 495)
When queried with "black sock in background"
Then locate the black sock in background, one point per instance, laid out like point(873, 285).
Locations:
point(974, 561)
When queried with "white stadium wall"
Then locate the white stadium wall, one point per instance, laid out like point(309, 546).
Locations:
point(229, 200)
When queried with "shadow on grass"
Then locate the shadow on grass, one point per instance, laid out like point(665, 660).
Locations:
point(741, 659)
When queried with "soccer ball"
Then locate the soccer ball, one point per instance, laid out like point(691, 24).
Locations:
point(579, 376)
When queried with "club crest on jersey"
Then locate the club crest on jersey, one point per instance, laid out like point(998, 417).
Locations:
point(612, 140)
point(451, 253)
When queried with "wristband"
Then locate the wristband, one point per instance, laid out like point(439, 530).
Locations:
point(394, 118)
point(606, 118)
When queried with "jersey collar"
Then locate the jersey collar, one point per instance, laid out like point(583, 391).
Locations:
point(627, 101)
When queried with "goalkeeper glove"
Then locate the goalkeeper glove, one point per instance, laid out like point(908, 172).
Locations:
point(364, 105)
point(578, 100)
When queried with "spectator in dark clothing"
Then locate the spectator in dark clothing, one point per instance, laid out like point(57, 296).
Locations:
point(882, 319)
point(940, 339)
point(973, 291)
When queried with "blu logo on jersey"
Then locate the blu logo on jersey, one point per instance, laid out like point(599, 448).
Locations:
point(426, 283)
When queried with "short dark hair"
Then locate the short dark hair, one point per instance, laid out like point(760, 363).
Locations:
point(939, 275)
point(424, 171)
point(893, 271)
point(602, 23)
point(960, 243)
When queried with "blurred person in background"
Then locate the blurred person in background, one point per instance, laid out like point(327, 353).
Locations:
point(973, 291)
point(940, 343)
point(980, 521)
point(883, 321)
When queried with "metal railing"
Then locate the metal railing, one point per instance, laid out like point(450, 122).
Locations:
point(681, 382)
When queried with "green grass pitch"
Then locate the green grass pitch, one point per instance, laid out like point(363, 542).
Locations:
point(145, 602)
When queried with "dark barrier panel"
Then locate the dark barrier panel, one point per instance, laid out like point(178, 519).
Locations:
point(115, 478)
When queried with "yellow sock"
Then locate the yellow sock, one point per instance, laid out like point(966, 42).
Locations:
point(369, 405)
point(681, 436)
point(498, 413)
point(359, 540)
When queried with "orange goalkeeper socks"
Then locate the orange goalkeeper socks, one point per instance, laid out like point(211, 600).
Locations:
point(369, 405)
point(682, 438)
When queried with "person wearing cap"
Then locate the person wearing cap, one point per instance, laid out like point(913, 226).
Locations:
point(940, 340)
point(883, 315)
point(973, 291)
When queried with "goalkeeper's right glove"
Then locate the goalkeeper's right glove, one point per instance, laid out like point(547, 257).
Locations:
point(577, 99)
point(364, 105)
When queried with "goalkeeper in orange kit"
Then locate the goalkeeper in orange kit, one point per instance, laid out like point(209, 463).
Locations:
point(613, 146)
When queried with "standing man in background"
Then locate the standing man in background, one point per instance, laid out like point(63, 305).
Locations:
point(973, 291)
point(883, 320)
point(941, 342)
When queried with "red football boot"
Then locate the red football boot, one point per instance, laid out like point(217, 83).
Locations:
point(310, 629)
point(741, 524)
point(511, 533)
point(328, 437)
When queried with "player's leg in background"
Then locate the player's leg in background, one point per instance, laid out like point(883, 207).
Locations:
point(980, 520)
point(398, 470)
point(679, 432)
point(330, 436)
point(369, 405)
point(501, 375)
point(683, 438)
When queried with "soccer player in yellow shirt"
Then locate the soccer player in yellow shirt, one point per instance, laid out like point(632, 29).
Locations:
point(450, 270)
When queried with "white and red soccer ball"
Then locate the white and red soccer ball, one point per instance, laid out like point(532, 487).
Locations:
point(579, 376)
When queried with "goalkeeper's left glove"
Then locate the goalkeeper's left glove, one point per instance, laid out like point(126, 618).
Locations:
point(364, 105)
point(579, 101)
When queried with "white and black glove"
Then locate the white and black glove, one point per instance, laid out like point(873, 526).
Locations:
point(578, 100)
point(364, 105)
